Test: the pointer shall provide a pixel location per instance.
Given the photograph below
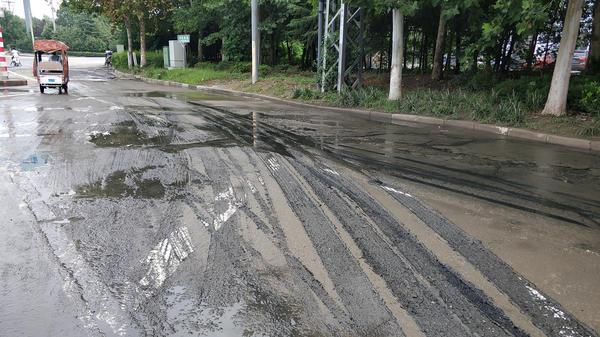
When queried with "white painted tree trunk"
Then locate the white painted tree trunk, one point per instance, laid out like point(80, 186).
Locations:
point(129, 43)
point(255, 41)
point(397, 55)
point(557, 97)
point(143, 42)
point(438, 57)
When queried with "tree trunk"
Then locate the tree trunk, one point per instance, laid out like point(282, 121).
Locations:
point(448, 49)
point(414, 50)
point(475, 64)
point(200, 50)
point(593, 64)
point(508, 56)
point(531, 51)
point(405, 43)
point(129, 43)
point(546, 51)
point(458, 52)
point(438, 57)
point(142, 41)
point(425, 57)
point(397, 55)
point(557, 97)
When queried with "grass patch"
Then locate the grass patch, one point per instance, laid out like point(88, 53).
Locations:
point(189, 76)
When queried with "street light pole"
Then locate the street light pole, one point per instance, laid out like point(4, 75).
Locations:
point(255, 41)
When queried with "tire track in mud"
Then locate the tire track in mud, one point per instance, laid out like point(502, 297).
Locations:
point(547, 314)
point(360, 299)
point(410, 269)
point(546, 311)
point(471, 185)
point(490, 188)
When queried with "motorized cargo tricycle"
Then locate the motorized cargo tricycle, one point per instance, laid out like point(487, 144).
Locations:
point(51, 65)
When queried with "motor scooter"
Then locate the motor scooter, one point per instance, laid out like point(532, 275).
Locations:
point(108, 58)
point(16, 62)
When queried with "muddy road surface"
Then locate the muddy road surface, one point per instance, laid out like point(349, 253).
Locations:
point(129, 209)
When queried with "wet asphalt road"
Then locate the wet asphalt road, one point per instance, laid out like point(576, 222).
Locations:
point(138, 210)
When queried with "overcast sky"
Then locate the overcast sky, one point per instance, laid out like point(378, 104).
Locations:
point(39, 8)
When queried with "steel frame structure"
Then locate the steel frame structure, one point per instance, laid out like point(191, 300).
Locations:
point(346, 21)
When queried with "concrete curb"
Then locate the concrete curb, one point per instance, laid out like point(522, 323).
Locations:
point(383, 117)
point(12, 83)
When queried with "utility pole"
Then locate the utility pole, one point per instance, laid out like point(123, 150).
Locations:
point(342, 39)
point(320, 18)
point(255, 41)
point(9, 4)
point(53, 15)
point(28, 19)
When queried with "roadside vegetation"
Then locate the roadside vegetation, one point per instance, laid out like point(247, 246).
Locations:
point(493, 61)
point(479, 97)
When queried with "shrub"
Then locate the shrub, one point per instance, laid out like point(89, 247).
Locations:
point(366, 97)
point(154, 59)
point(584, 94)
point(304, 93)
point(591, 129)
point(119, 60)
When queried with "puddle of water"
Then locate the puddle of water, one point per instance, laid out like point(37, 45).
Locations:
point(183, 96)
point(120, 184)
point(34, 161)
point(125, 134)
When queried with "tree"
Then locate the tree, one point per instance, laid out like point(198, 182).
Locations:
point(438, 57)
point(557, 97)
point(399, 9)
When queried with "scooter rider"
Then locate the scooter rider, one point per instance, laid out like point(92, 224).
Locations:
point(16, 59)
point(108, 57)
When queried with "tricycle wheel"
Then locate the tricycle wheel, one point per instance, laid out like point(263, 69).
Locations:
point(66, 89)
point(41, 89)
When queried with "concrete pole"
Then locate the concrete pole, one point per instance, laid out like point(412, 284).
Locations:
point(53, 15)
point(28, 18)
point(325, 43)
point(320, 32)
point(255, 41)
point(397, 55)
point(341, 80)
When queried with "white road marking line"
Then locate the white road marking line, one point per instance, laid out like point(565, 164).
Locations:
point(16, 95)
point(23, 76)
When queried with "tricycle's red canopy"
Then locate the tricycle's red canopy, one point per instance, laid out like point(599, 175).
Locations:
point(49, 46)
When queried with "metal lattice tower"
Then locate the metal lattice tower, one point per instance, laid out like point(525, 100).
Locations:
point(343, 48)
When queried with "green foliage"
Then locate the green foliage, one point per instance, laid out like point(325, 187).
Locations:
point(154, 59)
point(119, 60)
point(367, 98)
point(590, 129)
point(14, 32)
point(584, 94)
point(81, 32)
point(86, 53)
point(304, 94)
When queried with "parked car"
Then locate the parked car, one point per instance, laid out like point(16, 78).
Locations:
point(579, 60)
point(544, 61)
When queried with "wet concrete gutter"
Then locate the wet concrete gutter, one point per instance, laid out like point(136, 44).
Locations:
point(383, 117)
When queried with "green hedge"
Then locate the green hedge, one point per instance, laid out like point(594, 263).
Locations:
point(154, 59)
point(86, 53)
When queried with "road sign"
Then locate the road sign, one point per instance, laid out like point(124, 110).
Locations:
point(183, 38)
